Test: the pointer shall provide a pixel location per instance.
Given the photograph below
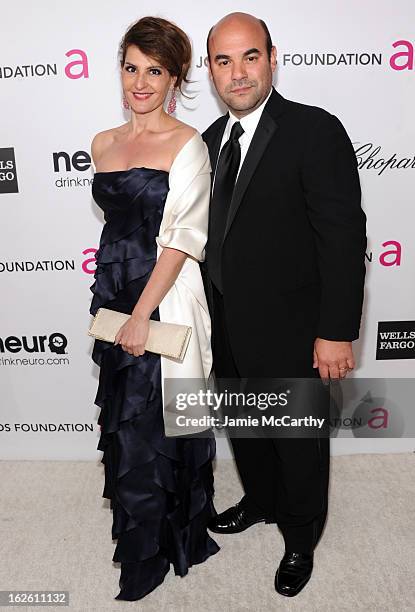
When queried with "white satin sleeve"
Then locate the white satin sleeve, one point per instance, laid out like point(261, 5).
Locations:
point(185, 220)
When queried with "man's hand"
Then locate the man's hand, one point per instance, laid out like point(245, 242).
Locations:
point(333, 358)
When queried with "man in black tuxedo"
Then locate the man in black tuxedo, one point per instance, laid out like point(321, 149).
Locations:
point(284, 274)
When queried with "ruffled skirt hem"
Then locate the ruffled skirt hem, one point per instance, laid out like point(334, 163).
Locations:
point(160, 489)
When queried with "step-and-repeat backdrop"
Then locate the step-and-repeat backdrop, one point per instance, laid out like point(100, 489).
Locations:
point(59, 85)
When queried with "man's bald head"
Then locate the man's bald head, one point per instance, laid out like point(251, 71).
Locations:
point(242, 61)
point(241, 18)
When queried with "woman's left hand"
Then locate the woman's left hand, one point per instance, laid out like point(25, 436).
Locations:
point(133, 335)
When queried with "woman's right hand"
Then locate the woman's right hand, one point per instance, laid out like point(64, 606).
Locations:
point(133, 335)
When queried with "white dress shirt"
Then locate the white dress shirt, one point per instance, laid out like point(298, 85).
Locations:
point(249, 124)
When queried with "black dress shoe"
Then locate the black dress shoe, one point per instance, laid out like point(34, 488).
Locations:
point(234, 520)
point(293, 573)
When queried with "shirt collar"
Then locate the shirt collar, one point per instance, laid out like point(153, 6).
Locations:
point(249, 122)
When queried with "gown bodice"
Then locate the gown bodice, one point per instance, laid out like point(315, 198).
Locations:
point(133, 203)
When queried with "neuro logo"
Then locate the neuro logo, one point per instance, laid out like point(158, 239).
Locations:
point(79, 161)
point(57, 343)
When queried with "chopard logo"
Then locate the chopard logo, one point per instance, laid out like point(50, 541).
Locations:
point(371, 157)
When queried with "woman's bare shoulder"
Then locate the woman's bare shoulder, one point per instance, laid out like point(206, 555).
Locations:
point(105, 139)
point(184, 130)
point(181, 134)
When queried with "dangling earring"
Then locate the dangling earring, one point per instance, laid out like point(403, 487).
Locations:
point(172, 104)
point(125, 103)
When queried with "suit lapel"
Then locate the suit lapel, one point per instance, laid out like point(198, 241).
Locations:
point(214, 143)
point(265, 130)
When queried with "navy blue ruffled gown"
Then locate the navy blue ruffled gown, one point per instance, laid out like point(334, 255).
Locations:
point(160, 488)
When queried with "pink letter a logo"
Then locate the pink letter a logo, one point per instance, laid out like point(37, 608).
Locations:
point(408, 54)
point(83, 62)
point(90, 260)
point(392, 257)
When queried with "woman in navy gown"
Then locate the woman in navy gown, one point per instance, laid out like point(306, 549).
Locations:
point(152, 181)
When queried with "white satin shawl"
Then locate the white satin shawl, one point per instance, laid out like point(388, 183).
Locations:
point(184, 227)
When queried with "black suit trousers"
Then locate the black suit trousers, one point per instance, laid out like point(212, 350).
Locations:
point(284, 479)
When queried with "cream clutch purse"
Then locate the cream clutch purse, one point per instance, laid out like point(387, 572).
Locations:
point(168, 339)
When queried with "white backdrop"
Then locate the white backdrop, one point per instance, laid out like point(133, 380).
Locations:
point(59, 85)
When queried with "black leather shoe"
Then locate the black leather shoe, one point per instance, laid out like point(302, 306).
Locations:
point(293, 573)
point(233, 520)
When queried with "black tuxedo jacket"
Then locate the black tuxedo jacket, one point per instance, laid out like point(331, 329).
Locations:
point(293, 254)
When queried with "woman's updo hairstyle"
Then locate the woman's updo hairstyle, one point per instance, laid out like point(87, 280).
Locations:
point(162, 40)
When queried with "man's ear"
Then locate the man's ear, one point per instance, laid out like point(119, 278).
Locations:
point(209, 70)
point(273, 58)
